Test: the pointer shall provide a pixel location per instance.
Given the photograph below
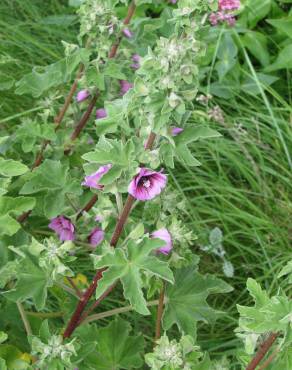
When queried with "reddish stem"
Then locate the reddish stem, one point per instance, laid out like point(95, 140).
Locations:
point(69, 97)
point(88, 206)
point(159, 312)
point(81, 305)
point(122, 220)
point(262, 351)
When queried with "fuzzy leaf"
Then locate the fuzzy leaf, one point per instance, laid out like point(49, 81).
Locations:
point(127, 266)
point(42, 79)
point(9, 168)
point(268, 314)
point(32, 283)
point(186, 299)
point(13, 206)
point(116, 349)
point(52, 181)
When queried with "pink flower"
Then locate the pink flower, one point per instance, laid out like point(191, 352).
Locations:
point(127, 33)
point(213, 18)
point(92, 180)
point(229, 4)
point(63, 227)
point(96, 236)
point(98, 218)
point(82, 95)
point(125, 86)
point(147, 184)
point(173, 1)
point(230, 19)
point(164, 235)
point(176, 131)
point(101, 113)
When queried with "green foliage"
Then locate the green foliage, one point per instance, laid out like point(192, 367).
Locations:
point(9, 207)
point(113, 346)
point(268, 314)
point(32, 282)
point(10, 168)
point(43, 78)
point(51, 182)
point(186, 299)
point(127, 265)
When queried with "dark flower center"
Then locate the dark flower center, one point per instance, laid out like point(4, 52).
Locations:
point(145, 182)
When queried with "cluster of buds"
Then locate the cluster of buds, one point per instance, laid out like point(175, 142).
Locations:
point(54, 349)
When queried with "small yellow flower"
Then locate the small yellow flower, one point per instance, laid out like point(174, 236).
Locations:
point(80, 279)
point(26, 357)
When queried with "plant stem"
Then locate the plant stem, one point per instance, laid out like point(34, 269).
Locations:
point(24, 318)
point(115, 311)
point(80, 126)
point(45, 315)
point(88, 206)
point(81, 305)
point(60, 116)
point(122, 220)
point(131, 11)
point(262, 351)
point(269, 359)
point(76, 318)
point(159, 313)
point(68, 289)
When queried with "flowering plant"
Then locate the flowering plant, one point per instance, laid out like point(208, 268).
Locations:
point(98, 193)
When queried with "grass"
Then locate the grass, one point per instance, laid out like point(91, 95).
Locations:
point(243, 185)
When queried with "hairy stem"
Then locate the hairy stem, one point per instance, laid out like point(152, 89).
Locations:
point(262, 351)
point(115, 311)
point(159, 313)
point(24, 318)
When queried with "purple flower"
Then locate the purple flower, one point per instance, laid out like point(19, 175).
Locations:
point(127, 33)
point(176, 131)
point(173, 1)
point(229, 4)
point(82, 95)
point(136, 59)
point(63, 227)
point(101, 113)
point(164, 235)
point(147, 184)
point(98, 218)
point(125, 86)
point(96, 236)
point(92, 180)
